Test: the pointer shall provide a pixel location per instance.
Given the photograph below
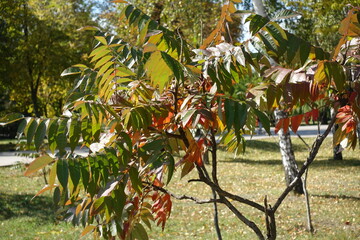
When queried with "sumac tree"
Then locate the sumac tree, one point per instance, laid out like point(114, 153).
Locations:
point(138, 106)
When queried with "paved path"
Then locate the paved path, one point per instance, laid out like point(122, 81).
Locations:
point(14, 157)
point(11, 158)
point(303, 131)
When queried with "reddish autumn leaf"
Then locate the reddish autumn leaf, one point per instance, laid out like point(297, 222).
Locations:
point(286, 124)
point(296, 121)
point(279, 125)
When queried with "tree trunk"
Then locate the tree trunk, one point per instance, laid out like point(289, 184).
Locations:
point(287, 155)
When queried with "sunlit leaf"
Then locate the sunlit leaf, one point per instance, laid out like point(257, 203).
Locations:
point(38, 163)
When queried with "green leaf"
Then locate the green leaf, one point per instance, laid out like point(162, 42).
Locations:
point(239, 116)
point(62, 172)
point(71, 71)
point(9, 118)
point(98, 205)
point(38, 163)
point(256, 23)
point(264, 119)
point(155, 145)
point(128, 10)
point(74, 169)
point(53, 126)
point(305, 49)
point(61, 140)
point(40, 134)
point(139, 232)
point(21, 127)
point(173, 65)
point(285, 14)
point(135, 180)
point(74, 133)
point(30, 130)
point(229, 113)
point(171, 167)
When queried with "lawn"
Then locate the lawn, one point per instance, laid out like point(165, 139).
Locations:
point(333, 187)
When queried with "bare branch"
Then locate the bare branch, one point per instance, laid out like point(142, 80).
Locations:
point(184, 197)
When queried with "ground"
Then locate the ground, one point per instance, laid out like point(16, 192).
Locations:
point(333, 187)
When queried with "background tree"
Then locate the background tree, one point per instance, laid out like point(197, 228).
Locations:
point(194, 20)
point(39, 39)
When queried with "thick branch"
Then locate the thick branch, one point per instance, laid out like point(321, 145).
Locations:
point(314, 150)
point(248, 223)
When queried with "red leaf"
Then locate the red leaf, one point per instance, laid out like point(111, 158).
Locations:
point(315, 114)
point(279, 125)
point(296, 121)
point(286, 124)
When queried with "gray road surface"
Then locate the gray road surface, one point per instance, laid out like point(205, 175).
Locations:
point(11, 158)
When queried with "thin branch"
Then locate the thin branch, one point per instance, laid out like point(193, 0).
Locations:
point(314, 150)
point(302, 139)
point(223, 193)
point(308, 209)
point(184, 197)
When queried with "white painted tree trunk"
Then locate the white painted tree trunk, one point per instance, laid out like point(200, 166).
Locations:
point(287, 155)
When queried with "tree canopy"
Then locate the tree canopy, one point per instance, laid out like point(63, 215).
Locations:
point(40, 39)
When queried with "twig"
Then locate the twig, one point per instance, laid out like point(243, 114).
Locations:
point(221, 192)
point(302, 139)
point(183, 197)
point(308, 210)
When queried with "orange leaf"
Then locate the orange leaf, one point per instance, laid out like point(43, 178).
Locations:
point(44, 189)
point(296, 121)
point(88, 229)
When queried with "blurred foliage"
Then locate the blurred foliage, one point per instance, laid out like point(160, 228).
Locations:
point(38, 40)
point(193, 20)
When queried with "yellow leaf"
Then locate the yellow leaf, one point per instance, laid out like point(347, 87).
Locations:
point(320, 75)
point(232, 7)
point(158, 70)
point(101, 39)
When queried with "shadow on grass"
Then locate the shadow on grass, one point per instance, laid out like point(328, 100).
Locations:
point(18, 205)
point(336, 196)
point(270, 146)
point(263, 145)
point(352, 162)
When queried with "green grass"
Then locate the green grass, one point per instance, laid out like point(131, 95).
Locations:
point(333, 187)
